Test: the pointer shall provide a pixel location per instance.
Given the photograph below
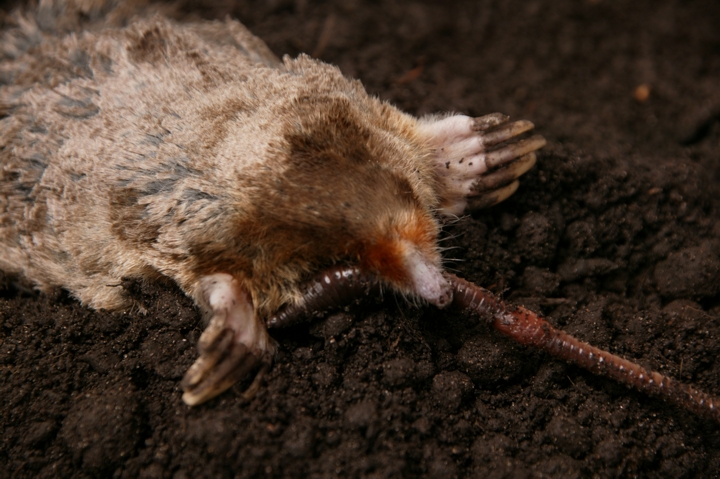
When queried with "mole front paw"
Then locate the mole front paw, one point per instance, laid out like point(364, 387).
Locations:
point(234, 345)
point(478, 160)
point(221, 364)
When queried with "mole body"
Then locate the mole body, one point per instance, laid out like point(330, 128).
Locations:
point(148, 147)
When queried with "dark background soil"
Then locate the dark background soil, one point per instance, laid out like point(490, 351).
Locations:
point(614, 236)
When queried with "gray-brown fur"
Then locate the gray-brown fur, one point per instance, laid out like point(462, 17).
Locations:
point(136, 146)
point(130, 151)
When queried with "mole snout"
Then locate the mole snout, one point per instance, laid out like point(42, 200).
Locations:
point(429, 281)
point(231, 172)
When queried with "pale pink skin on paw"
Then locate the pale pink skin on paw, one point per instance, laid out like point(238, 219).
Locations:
point(478, 160)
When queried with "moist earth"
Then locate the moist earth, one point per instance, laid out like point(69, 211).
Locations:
point(614, 236)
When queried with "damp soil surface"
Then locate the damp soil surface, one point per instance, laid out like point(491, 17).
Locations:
point(614, 236)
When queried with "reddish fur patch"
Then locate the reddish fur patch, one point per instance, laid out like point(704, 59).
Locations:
point(422, 233)
point(387, 254)
point(386, 257)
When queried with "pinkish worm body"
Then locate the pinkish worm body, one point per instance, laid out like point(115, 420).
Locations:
point(526, 327)
point(340, 285)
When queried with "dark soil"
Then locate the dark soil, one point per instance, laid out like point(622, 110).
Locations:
point(614, 236)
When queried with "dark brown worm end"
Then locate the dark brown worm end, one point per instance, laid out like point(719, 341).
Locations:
point(334, 288)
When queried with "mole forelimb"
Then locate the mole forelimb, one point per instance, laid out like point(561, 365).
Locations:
point(139, 147)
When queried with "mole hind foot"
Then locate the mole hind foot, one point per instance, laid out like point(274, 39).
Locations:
point(233, 345)
point(478, 160)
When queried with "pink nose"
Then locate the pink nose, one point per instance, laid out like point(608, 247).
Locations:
point(445, 298)
point(427, 280)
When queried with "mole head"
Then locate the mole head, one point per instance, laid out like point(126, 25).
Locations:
point(349, 190)
point(402, 250)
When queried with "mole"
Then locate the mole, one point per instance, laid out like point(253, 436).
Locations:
point(137, 146)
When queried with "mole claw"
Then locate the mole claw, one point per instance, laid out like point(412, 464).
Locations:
point(210, 355)
point(486, 122)
point(233, 345)
point(478, 160)
point(510, 152)
point(503, 176)
point(506, 132)
point(491, 198)
point(208, 377)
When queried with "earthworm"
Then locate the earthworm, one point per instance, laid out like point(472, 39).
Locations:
point(336, 286)
point(526, 327)
point(339, 285)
